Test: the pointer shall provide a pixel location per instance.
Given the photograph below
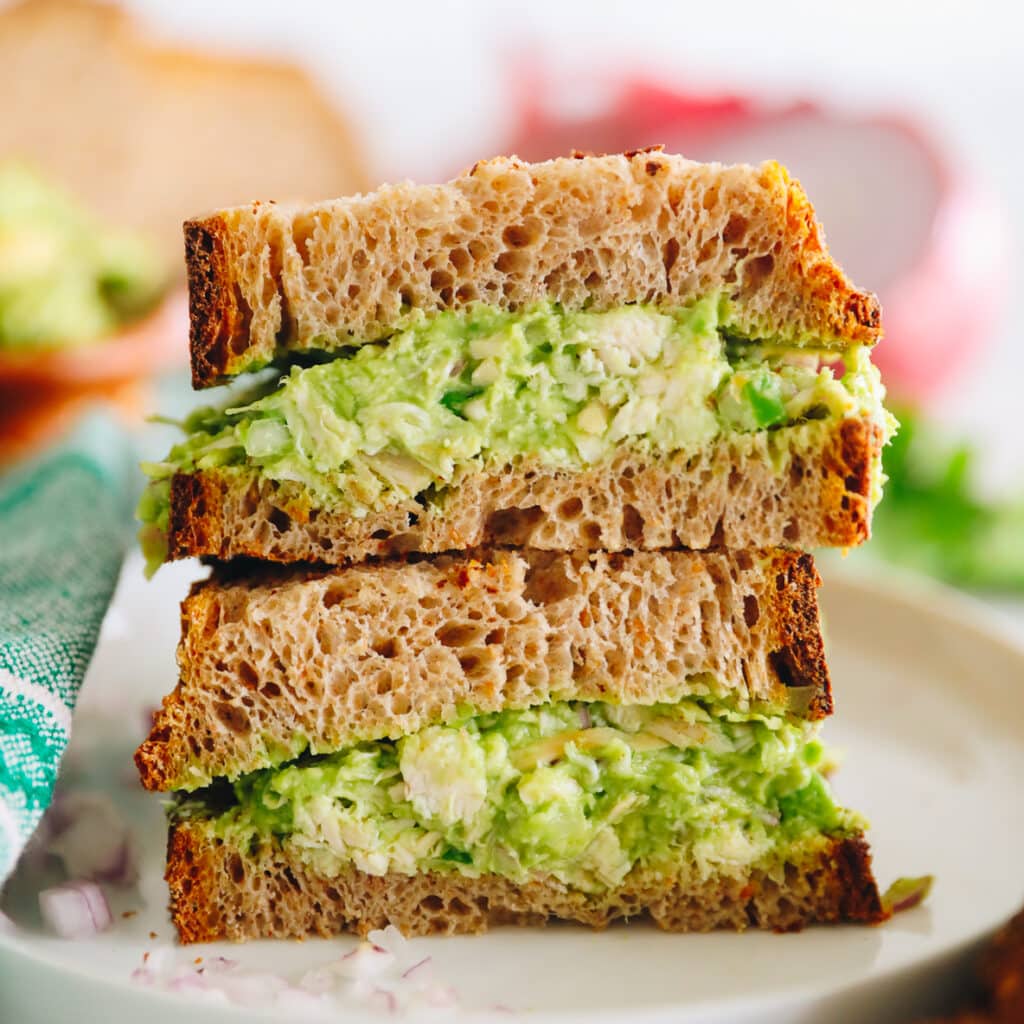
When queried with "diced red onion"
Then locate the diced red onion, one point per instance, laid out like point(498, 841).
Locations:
point(409, 971)
point(256, 989)
point(389, 939)
point(143, 976)
point(318, 980)
point(325, 989)
point(196, 984)
point(364, 961)
point(75, 910)
point(906, 893)
point(160, 959)
point(441, 995)
point(389, 999)
point(586, 722)
point(188, 980)
point(89, 835)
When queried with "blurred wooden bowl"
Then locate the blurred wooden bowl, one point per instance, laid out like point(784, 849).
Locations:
point(155, 344)
point(33, 419)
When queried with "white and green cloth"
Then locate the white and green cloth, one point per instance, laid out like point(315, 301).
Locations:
point(64, 527)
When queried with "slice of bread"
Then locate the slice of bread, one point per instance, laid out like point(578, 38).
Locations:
point(267, 279)
point(381, 650)
point(222, 892)
point(805, 486)
point(145, 133)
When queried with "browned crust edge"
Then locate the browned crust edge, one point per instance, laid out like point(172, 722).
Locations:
point(850, 467)
point(857, 315)
point(197, 527)
point(209, 902)
point(216, 316)
point(799, 659)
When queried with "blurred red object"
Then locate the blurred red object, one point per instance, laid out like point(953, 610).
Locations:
point(901, 216)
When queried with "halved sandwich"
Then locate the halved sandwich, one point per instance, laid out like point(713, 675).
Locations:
point(447, 743)
point(605, 353)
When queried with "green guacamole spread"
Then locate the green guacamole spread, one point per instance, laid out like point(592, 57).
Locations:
point(65, 280)
point(583, 792)
point(408, 417)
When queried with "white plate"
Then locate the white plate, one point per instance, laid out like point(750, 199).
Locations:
point(930, 714)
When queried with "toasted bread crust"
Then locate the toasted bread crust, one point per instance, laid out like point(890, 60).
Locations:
point(799, 660)
point(601, 231)
point(382, 650)
point(214, 312)
point(730, 496)
point(219, 892)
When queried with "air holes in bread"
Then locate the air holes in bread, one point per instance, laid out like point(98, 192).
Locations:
point(233, 717)
point(459, 634)
point(512, 526)
point(632, 525)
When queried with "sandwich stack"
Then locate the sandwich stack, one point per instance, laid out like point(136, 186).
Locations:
point(510, 615)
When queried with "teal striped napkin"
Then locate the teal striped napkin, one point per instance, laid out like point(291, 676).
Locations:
point(65, 522)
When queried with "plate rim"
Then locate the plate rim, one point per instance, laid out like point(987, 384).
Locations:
point(918, 595)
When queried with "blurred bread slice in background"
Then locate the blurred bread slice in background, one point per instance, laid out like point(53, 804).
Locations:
point(147, 134)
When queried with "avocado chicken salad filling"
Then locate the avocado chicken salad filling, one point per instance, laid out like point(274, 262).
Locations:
point(584, 792)
point(408, 417)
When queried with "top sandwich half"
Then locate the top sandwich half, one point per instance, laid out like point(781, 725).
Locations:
point(627, 351)
point(595, 233)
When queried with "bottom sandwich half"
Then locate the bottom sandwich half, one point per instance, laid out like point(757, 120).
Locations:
point(221, 891)
point(444, 745)
point(695, 814)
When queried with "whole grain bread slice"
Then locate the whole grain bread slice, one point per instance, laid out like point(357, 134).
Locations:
point(267, 279)
point(806, 486)
point(274, 661)
point(219, 891)
point(145, 132)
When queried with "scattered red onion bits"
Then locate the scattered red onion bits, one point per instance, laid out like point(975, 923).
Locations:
point(408, 972)
point(381, 973)
point(89, 835)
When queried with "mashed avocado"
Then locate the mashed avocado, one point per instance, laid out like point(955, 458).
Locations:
point(584, 792)
point(64, 279)
point(410, 416)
